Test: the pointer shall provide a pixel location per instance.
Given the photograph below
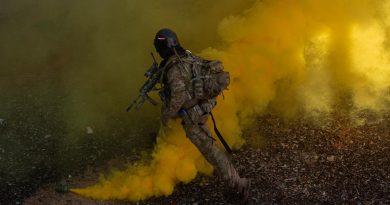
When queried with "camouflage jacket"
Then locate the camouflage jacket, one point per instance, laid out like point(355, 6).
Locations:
point(174, 91)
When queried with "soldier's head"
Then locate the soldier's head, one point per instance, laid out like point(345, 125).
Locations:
point(165, 42)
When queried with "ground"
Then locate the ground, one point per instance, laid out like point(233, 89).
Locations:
point(297, 162)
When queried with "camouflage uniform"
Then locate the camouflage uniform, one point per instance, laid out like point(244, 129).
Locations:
point(178, 96)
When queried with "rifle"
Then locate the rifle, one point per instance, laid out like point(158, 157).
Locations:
point(153, 74)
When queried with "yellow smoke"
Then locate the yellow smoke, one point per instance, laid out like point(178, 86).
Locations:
point(284, 57)
point(175, 159)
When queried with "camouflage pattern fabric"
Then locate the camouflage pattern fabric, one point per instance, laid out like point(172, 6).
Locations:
point(195, 126)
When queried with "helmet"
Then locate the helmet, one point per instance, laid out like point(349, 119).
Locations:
point(165, 42)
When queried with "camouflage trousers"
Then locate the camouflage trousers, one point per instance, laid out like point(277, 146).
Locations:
point(200, 135)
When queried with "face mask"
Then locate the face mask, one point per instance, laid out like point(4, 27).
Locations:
point(161, 47)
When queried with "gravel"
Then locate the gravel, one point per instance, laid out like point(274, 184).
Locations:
point(298, 162)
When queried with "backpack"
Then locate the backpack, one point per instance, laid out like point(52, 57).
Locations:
point(207, 78)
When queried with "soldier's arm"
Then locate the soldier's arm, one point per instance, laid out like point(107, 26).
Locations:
point(176, 83)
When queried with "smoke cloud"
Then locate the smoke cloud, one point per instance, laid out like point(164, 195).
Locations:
point(97, 51)
point(284, 57)
point(70, 65)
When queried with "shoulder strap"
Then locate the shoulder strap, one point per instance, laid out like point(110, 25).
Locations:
point(171, 61)
point(195, 63)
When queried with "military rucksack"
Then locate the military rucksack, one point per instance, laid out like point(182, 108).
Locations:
point(207, 78)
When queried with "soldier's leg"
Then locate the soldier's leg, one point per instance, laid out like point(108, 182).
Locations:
point(201, 137)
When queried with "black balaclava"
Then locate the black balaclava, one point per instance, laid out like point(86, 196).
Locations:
point(166, 42)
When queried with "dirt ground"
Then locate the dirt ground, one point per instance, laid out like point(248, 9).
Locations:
point(298, 163)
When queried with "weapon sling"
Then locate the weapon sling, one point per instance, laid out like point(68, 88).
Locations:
point(219, 135)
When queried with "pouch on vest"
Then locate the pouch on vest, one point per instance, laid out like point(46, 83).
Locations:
point(209, 78)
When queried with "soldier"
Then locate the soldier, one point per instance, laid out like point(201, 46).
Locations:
point(180, 102)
